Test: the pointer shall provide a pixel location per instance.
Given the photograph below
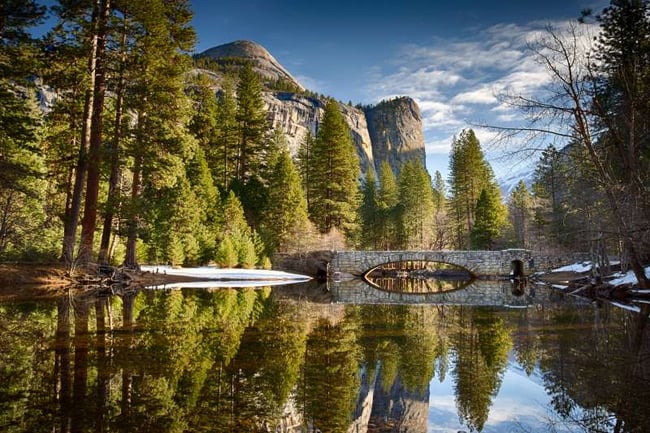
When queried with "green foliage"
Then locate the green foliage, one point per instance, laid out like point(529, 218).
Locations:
point(246, 256)
point(303, 162)
point(489, 220)
point(469, 174)
point(240, 245)
point(520, 205)
point(252, 125)
point(369, 213)
point(226, 255)
point(416, 206)
point(23, 221)
point(388, 206)
point(285, 220)
point(331, 378)
point(333, 187)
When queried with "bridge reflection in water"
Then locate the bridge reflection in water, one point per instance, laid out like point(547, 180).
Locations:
point(418, 277)
point(495, 293)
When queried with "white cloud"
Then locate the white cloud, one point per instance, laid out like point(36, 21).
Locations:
point(456, 83)
point(482, 95)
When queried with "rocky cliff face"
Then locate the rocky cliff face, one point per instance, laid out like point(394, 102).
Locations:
point(391, 130)
point(395, 129)
point(298, 114)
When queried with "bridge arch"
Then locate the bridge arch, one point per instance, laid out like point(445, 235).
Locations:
point(355, 264)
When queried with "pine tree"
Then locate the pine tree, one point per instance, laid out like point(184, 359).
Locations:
point(237, 231)
point(519, 207)
point(623, 102)
point(490, 217)
point(469, 173)
point(416, 206)
point(441, 236)
point(21, 158)
point(162, 142)
point(303, 161)
point(222, 157)
point(388, 206)
point(369, 213)
point(334, 174)
point(252, 125)
point(102, 10)
point(550, 189)
point(286, 221)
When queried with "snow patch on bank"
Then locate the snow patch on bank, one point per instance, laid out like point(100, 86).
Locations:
point(575, 267)
point(211, 276)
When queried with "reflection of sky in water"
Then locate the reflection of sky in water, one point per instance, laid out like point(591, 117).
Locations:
point(521, 405)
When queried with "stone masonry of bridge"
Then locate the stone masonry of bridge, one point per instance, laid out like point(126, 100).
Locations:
point(355, 264)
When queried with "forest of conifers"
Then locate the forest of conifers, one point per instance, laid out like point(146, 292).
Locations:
point(140, 160)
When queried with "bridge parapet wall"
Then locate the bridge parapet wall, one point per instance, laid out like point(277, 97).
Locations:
point(353, 264)
point(347, 264)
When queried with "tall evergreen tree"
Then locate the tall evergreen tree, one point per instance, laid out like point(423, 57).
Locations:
point(252, 125)
point(76, 33)
point(388, 206)
point(441, 236)
point(416, 206)
point(303, 161)
point(623, 99)
point(520, 210)
point(21, 157)
point(489, 220)
point(285, 223)
point(223, 157)
point(162, 142)
point(101, 9)
point(370, 213)
point(469, 173)
point(550, 187)
point(335, 171)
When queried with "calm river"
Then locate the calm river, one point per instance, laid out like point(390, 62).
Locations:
point(305, 358)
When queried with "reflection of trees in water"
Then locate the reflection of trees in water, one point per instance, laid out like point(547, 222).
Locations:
point(419, 277)
point(598, 375)
point(235, 359)
point(331, 383)
point(481, 347)
point(416, 285)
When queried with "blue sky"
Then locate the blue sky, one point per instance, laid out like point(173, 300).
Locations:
point(451, 57)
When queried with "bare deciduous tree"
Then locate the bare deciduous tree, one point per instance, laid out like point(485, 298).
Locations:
point(571, 109)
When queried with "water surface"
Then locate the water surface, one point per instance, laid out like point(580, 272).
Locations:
point(289, 357)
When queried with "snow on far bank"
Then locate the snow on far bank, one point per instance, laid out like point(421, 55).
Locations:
point(628, 277)
point(620, 278)
point(575, 267)
point(212, 273)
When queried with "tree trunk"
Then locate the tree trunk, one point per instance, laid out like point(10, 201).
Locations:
point(131, 259)
point(89, 221)
point(72, 213)
point(113, 191)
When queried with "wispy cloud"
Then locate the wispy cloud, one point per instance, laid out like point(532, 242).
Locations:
point(456, 83)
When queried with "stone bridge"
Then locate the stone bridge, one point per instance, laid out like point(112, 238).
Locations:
point(355, 264)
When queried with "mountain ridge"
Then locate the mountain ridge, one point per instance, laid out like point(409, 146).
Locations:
point(395, 133)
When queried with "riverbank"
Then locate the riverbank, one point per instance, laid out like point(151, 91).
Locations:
point(54, 279)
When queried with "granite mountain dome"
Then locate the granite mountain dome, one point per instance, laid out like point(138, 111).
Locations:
point(262, 61)
point(390, 130)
